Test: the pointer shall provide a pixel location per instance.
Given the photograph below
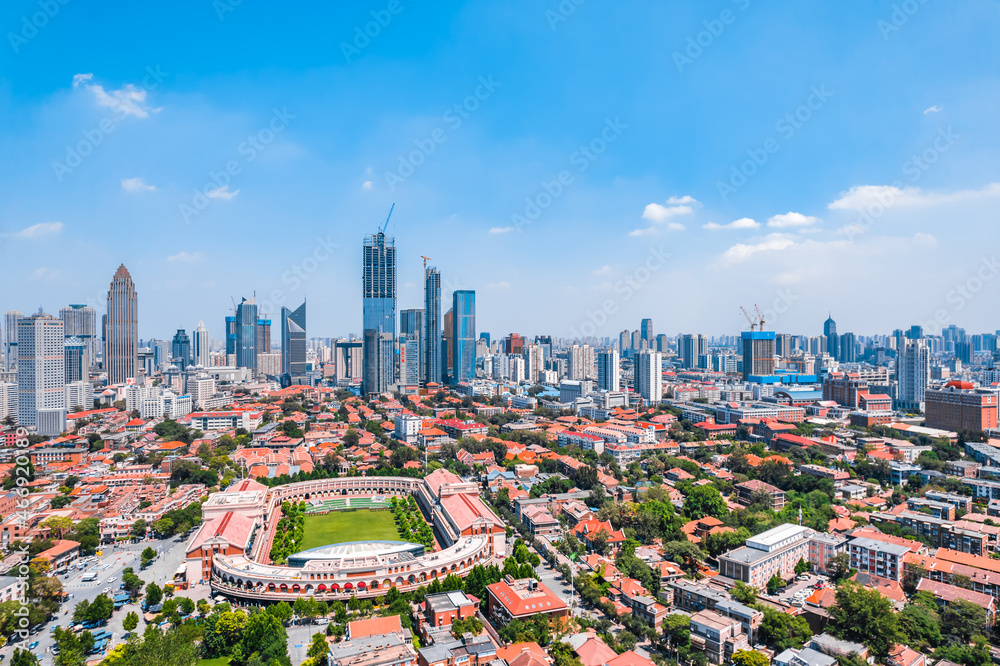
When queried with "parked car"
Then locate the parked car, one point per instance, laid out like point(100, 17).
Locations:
point(33, 646)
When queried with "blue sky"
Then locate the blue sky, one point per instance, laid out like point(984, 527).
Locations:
point(584, 181)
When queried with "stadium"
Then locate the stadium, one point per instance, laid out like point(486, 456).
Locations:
point(231, 549)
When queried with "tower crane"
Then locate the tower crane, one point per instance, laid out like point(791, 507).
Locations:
point(760, 317)
point(426, 259)
point(753, 323)
point(386, 223)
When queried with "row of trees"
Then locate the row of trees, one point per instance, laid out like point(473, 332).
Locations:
point(289, 532)
point(410, 522)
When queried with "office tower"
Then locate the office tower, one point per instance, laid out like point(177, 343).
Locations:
point(75, 365)
point(913, 370)
point(915, 332)
point(534, 362)
point(379, 311)
point(40, 380)
point(486, 336)
point(433, 367)
point(11, 317)
point(662, 343)
point(293, 342)
point(848, 348)
point(378, 373)
point(447, 346)
point(121, 340)
point(832, 341)
point(78, 396)
point(636, 340)
point(463, 337)
point(161, 353)
point(263, 335)
point(246, 334)
point(545, 342)
point(624, 342)
point(963, 352)
point(8, 399)
point(580, 362)
point(80, 321)
point(758, 353)
point(608, 370)
point(231, 335)
point(200, 347)
point(348, 359)
point(646, 332)
point(412, 330)
point(180, 349)
point(513, 344)
point(691, 347)
point(649, 375)
point(783, 345)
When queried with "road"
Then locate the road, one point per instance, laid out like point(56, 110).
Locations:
point(111, 564)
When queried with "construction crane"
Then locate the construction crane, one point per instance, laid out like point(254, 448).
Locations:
point(426, 259)
point(386, 223)
point(753, 323)
point(760, 317)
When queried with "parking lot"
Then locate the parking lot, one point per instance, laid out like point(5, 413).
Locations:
point(796, 593)
point(110, 565)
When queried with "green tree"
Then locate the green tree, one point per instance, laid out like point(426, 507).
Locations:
point(154, 594)
point(963, 620)
point(839, 566)
point(781, 631)
point(865, 616)
point(318, 649)
point(138, 529)
point(282, 611)
point(921, 625)
point(743, 593)
point(265, 637)
point(705, 501)
point(131, 621)
point(23, 658)
point(749, 658)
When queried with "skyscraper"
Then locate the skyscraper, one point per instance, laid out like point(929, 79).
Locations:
point(649, 375)
point(80, 321)
point(180, 349)
point(348, 361)
point(580, 362)
point(75, 365)
point(121, 340)
point(913, 371)
point(758, 353)
point(432, 326)
point(378, 284)
point(832, 341)
point(231, 335)
point(447, 349)
point(293, 343)
point(11, 317)
point(608, 370)
point(41, 374)
point(463, 338)
point(263, 335)
point(246, 334)
point(847, 348)
point(692, 346)
point(200, 349)
point(646, 328)
point(414, 337)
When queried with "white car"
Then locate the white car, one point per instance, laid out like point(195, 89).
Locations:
point(113, 579)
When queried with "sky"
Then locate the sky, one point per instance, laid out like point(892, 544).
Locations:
point(581, 165)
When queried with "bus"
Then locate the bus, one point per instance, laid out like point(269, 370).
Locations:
point(89, 577)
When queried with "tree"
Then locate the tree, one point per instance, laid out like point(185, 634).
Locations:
point(148, 555)
point(317, 653)
point(722, 542)
point(865, 616)
point(164, 527)
point(282, 611)
point(781, 631)
point(749, 658)
point(154, 594)
point(264, 636)
point(139, 529)
point(131, 621)
point(963, 620)
point(23, 658)
point(59, 525)
point(839, 566)
point(743, 593)
point(774, 583)
point(705, 501)
point(921, 625)
point(801, 567)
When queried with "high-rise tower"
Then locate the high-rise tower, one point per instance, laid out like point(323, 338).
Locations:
point(293, 343)
point(200, 346)
point(121, 340)
point(433, 367)
point(41, 374)
point(246, 334)
point(463, 337)
point(379, 312)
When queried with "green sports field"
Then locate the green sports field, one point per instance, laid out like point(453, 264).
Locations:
point(341, 526)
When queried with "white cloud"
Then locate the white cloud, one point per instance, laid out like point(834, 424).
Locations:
point(127, 100)
point(367, 185)
point(862, 197)
point(501, 230)
point(37, 230)
point(933, 109)
point(136, 185)
point(221, 193)
point(44, 274)
point(925, 240)
point(648, 231)
point(743, 251)
point(742, 223)
point(185, 257)
point(604, 270)
point(502, 285)
point(791, 219)
point(658, 213)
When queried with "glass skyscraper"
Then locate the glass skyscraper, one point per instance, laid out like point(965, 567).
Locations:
point(293, 343)
point(433, 370)
point(180, 349)
point(463, 338)
point(246, 334)
point(412, 333)
point(121, 339)
point(378, 312)
point(230, 335)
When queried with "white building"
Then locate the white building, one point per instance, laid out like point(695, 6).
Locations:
point(913, 371)
point(8, 400)
point(201, 388)
point(40, 374)
point(407, 427)
point(580, 362)
point(199, 346)
point(608, 370)
point(534, 362)
point(649, 375)
point(79, 394)
point(166, 404)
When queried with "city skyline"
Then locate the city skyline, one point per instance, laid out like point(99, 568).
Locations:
point(843, 156)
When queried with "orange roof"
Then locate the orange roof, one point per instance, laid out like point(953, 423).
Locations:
point(375, 626)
